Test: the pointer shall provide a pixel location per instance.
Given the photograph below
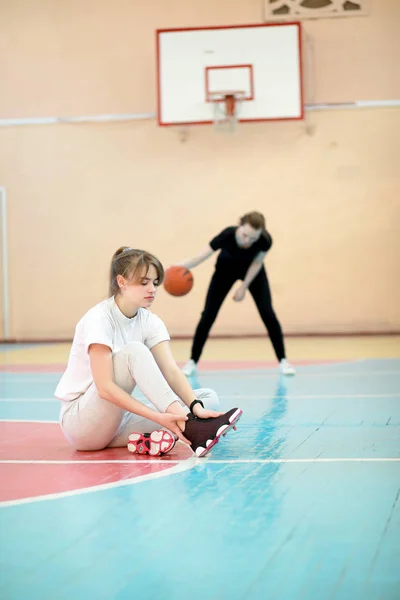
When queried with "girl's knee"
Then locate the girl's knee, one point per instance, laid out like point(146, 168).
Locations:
point(136, 349)
point(208, 397)
point(135, 353)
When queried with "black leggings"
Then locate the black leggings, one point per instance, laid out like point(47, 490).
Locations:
point(220, 285)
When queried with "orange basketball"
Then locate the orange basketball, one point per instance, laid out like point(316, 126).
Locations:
point(178, 281)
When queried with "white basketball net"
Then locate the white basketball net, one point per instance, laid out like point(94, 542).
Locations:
point(223, 103)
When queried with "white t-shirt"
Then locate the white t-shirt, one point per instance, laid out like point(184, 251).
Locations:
point(105, 324)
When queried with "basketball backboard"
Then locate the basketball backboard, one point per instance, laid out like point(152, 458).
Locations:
point(262, 62)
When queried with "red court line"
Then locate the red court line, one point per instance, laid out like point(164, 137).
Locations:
point(205, 365)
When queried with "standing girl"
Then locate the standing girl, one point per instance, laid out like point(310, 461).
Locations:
point(242, 253)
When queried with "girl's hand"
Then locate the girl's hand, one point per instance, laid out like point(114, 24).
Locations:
point(203, 413)
point(170, 421)
point(239, 294)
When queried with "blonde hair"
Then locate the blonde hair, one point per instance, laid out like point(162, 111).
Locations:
point(132, 263)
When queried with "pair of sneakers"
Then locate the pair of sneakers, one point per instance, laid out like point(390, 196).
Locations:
point(189, 369)
point(202, 433)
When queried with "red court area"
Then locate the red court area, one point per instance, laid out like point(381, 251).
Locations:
point(36, 460)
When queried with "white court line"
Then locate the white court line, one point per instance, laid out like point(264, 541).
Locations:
point(300, 374)
point(199, 461)
point(248, 396)
point(301, 460)
point(177, 468)
point(309, 396)
point(254, 373)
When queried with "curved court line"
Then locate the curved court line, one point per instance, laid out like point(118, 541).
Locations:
point(180, 467)
point(97, 461)
point(199, 461)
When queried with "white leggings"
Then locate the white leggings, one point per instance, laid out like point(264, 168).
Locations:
point(92, 423)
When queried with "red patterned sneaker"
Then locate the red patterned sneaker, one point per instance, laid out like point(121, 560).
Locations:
point(205, 433)
point(156, 443)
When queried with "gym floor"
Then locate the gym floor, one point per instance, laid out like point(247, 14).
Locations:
point(301, 502)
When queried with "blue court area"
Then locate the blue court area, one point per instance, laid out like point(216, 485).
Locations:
point(302, 502)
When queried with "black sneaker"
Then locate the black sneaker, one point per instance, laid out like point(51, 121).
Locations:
point(205, 433)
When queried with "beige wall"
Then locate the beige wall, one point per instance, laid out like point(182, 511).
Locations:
point(330, 187)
